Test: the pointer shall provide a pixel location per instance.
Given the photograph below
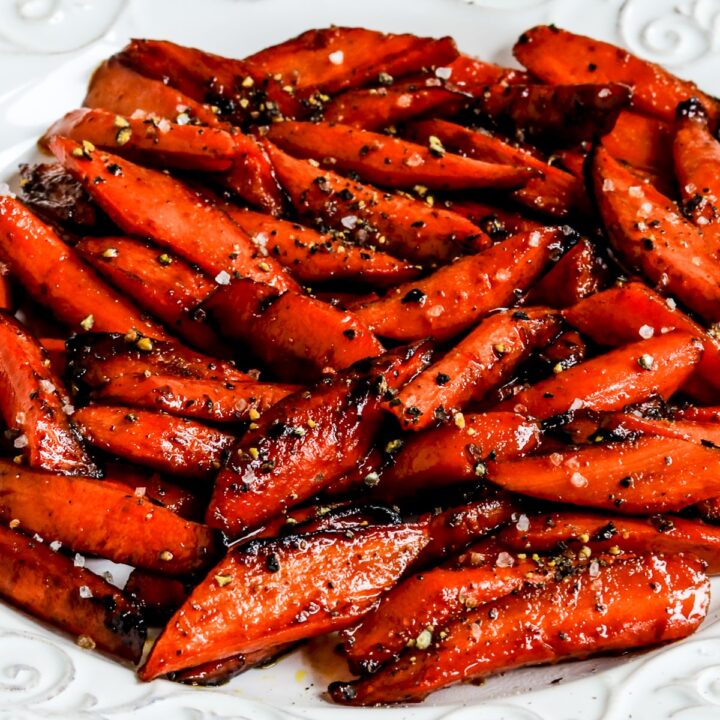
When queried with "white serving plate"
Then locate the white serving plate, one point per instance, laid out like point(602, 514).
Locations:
point(47, 51)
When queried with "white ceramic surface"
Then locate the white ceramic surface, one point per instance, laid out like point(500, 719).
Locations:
point(47, 50)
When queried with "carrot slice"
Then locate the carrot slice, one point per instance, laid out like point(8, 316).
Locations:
point(404, 227)
point(97, 517)
point(159, 596)
point(456, 296)
point(647, 231)
point(478, 363)
point(269, 592)
point(559, 56)
point(583, 613)
point(55, 276)
point(647, 476)
point(175, 445)
point(149, 203)
point(47, 585)
point(306, 441)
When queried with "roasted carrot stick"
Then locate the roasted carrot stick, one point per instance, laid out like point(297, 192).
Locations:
point(472, 76)
point(648, 232)
point(47, 584)
point(478, 363)
point(456, 296)
point(404, 227)
point(269, 592)
point(159, 596)
point(364, 474)
point(497, 222)
point(646, 476)
point(585, 612)
point(306, 441)
point(698, 431)
point(55, 276)
point(149, 203)
point(97, 517)
point(174, 445)
point(559, 56)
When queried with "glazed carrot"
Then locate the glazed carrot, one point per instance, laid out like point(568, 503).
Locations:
point(581, 614)
point(155, 142)
point(363, 474)
point(159, 596)
point(304, 442)
point(456, 296)
point(282, 329)
point(404, 227)
point(117, 88)
point(648, 232)
point(449, 455)
point(698, 431)
point(36, 407)
point(389, 161)
point(560, 115)
point(174, 445)
point(646, 476)
point(47, 584)
point(472, 76)
point(555, 192)
point(253, 598)
point(56, 353)
point(478, 363)
point(559, 56)
point(497, 222)
point(149, 203)
point(628, 375)
point(97, 517)
point(54, 275)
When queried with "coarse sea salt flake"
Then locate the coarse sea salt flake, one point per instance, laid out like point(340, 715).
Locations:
point(85, 592)
point(504, 560)
point(337, 57)
point(21, 441)
point(578, 480)
point(443, 73)
point(349, 221)
point(534, 240)
point(635, 191)
point(523, 523)
point(646, 332)
point(55, 545)
point(608, 185)
point(47, 386)
point(223, 278)
point(79, 560)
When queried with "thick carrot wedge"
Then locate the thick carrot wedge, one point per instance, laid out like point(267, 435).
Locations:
point(672, 535)
point(154, 142)
point(452, 454)
point(54, 275)
point(456, 296)
point(36, 407)
point(628, 375)
point(555, 192)
point(472, 76)
point(97, 517)
point(583, 613)
point(646, 476)
point(559, 56)
point(168, 444)
point(648, 232)
point(269, 592)
point(159, 596)
point(306, 441)
point(497, 222)
point(117, 88)
point(313, 257)
point(479, 362)
point(149, 203)
point(282, 329)
point(47, 584)
point(559, 115)
point(404, 227)
point(389, 161)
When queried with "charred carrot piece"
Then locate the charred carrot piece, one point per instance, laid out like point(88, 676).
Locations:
point(238, 607)
point(646, 476)
point(648, 232)
point(555, 192)
point(47, 585)
point(163, 284)
point(156, 142)
point(159, 596)
point(282, 329)
point(36, 407)
point(149, 203)
point(456, 296)
point(293, 452)
point(581, 614)
point(559, 115)
point(453, 454)
point(117, 88)
point(389, 161)
point(97, 517)
point(628, 375)
point(479, 362)
point(54, 275)
point(168, 444)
